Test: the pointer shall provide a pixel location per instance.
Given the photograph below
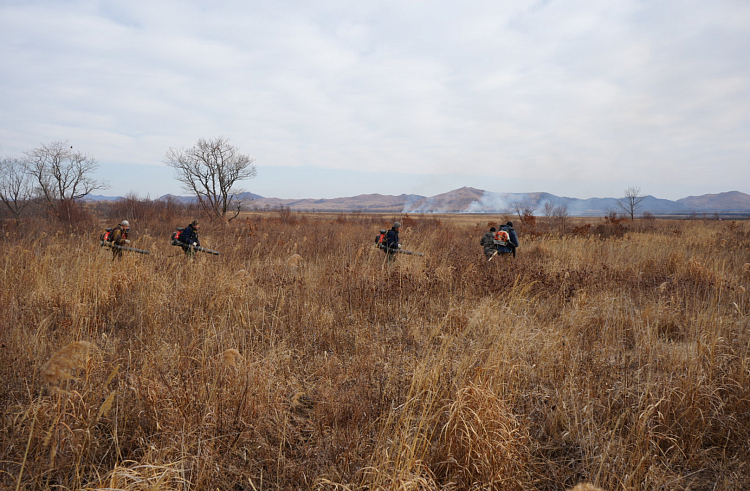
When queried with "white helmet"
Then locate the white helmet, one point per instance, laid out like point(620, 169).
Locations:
point(125, 223)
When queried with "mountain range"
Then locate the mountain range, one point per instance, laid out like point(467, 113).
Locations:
point(472, 200)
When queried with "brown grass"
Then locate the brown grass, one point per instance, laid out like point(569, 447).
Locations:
point(231, 358)
point(586, 487)
point(615, 356)
point(61, 364)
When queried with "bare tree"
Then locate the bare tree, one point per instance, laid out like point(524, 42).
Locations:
point(522, 208)
point(16, 187)
point(548, 209)
point(61, 173)
point(560, 215)
point(632, 201)
point(649, 219)
point(611, 216)
point(210, 170)
point(515, 207)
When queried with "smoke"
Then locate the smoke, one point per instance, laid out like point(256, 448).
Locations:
point(491, 203)
point(535, 202)
point(426, 206)
point(513, 203)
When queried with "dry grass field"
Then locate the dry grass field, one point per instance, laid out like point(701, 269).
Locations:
point(299, 359)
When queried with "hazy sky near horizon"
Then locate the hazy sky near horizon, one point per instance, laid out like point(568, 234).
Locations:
point(338, 98)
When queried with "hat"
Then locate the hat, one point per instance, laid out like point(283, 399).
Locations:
point(194, 223)
point(493, 229)
point(510, 224)
point(396, 224)
point(125, 223)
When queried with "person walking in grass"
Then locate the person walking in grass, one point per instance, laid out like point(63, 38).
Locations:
point(502, 241)
point(488, 242)
point(119, 236)
point(507, 247)
point(392, 242)
point(189, 237)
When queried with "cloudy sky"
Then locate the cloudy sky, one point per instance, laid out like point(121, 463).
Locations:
point(338, 98)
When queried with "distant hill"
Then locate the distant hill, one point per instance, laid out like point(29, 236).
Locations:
point(99, 197)
point(503, 202)
point(373, 203)
point(732, 201)
point(244, 197)
point(176, 199)
point(472, 200)
point(458, 199)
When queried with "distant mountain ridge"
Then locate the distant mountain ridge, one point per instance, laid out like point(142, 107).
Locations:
point(472, 200)
point(729, 201)
point(373, 203)
point(489, 202)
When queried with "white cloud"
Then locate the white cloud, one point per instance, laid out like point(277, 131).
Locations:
point(616, 92)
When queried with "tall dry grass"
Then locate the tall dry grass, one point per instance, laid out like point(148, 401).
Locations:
point(620, 362)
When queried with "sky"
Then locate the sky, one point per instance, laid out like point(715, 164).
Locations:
point(339, 98)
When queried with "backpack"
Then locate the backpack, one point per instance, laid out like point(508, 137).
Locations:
point(502, 238)
point(176, 236)
point(380, 239)
point(106, 236)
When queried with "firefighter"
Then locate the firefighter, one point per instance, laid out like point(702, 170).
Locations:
point(392, 243)
point(119, 237)
point(488, 242)
point(190, 237)
point(510, 246)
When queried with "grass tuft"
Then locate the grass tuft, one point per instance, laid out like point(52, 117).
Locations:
point(60, 365)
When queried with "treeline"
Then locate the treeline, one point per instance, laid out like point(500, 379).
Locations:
point(52, 179)
point(81, 216)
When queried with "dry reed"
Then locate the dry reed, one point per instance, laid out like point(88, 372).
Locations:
point(586, 487)
point(59, 366)
point(231, 358)
point(615, 355)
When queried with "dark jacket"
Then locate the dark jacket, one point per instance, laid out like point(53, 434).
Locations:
point(391, 241)
point(487, 241)
point(189, 235)
point(513, 241)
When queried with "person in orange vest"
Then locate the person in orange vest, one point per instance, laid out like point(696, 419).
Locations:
point(506, 245)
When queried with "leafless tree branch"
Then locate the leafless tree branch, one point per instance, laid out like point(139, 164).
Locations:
point(632, 201)
point(209, 170)
point(16, 188)
point(61, 173)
